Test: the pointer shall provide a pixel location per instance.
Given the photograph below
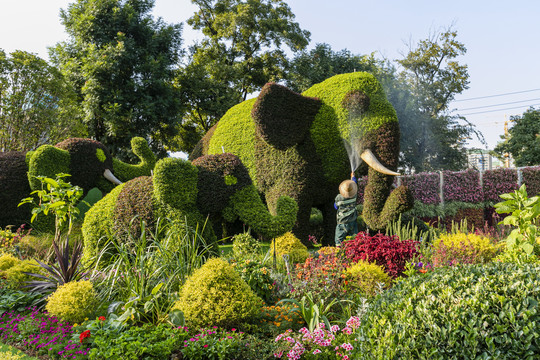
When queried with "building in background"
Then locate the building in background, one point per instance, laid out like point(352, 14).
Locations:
point(481, 160)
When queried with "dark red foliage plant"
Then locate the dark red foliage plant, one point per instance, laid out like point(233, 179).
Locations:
point(389, 252)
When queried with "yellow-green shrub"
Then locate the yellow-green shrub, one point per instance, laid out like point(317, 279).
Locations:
point(216, 295)
point(328, 250)
point(73, 301)
point(461, 248)
point(366, 277)
point(290, 245)
point(16, 276)
point(245, 246)
point(7, 261)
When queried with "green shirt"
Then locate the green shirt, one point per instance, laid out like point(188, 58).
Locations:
point(346, 209)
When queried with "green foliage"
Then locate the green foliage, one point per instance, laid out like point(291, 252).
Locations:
point(313, 312)
point(120, 62)
point(145, 342)
point(522, 242)
point(17, 275)
point(462, 248)
point(16, 301)
point(245, 246)
point(59, 198)
point(211, 344)
point(74, 301)
point(13, 176)
point(175, 183)
point(35, 103)
point(7, 261)
point(475, 312)
point(407, 227)
point(147, 160)
point(258, 278)
point(522, 140)
point(47, 161)
point(216, 295)
point(290, 245)
point(367, 278)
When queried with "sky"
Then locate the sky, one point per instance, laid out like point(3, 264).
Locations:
point(501, 38)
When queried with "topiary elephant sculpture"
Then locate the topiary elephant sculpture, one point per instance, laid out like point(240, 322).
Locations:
point(211, 188)
point(87, 161)
point(296, 145)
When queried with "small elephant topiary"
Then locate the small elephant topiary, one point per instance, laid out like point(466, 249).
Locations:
point(212, 188)
point(87, 161)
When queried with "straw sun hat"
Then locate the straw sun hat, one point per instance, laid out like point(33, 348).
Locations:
point(348, 189)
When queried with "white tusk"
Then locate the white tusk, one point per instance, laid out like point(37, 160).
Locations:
point(375, 164)
point(109, 176)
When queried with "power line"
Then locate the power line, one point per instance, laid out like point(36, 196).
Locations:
point(488, 111)
point(490, 96)
point(508, 103)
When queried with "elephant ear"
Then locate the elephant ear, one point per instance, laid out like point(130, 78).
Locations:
point(282, 117)
point(47, 161)
point(175, 183)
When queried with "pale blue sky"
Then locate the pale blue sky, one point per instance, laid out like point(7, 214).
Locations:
point(501, 37)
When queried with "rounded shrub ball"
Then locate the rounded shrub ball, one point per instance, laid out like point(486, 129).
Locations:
point(464, 312)
point(216, 295)
point(288, 244)
point(73, 301)
point(245, 246)
point(367, 278)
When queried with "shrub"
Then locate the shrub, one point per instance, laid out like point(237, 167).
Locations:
point(7, 261)
point(73, 301)
point(389, 252)
point(258, 278)
point(245, 246)
point(366, 277)
point(461, 248)
point(462, 186)
point(216, 295)
point(288, 244)
point(474, 312)
point(424, 186)
point(16, 276)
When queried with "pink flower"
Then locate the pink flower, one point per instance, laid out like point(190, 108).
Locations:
point(316, 351)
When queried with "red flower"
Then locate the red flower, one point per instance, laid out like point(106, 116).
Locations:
point(84, 335)
point(102, 318)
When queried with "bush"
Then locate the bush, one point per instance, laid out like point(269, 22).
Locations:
point(245, 246)
point(16, 276)
point(366, 278)
point(288, 244)
point(389, 252)
point(461, 248)
point(258, 278)
point(7, 261)
point(215, 295)
point(73, 301)
point(474, 312)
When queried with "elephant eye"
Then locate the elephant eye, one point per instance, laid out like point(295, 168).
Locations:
point(356, 102)
point(101, 155)
point(230, 180)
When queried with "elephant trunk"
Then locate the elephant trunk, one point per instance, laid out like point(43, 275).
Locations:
point(249, 207)
point(381, 204)
point(126, 172)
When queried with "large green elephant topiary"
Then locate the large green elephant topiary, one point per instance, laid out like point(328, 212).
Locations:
point(87, 161)
point(295, 144)
point(211, 188)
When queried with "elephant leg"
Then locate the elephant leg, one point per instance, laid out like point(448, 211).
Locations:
point(329, 223)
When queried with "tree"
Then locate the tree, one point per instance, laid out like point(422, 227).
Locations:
point(523, 141)
point(121, 62)
point(433, 78)
point(243, 49)
point(321, 63)
point(35, 103)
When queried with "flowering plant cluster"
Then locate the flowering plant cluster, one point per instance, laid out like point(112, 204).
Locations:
point(499, 181)
point(210, 344)
point(424, 187)
point(9, 240)
point(258, 278)
point(361, 183)
point(278, 318)
point(387, 251)
point(41, 334)
point(322, 276)
point(462, 186)
point(321, 343)
point(531, 177)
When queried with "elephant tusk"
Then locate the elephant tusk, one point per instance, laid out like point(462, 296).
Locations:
point(374, 163)
point(109, 176)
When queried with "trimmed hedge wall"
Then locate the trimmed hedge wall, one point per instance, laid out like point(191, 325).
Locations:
point(14, 180)
point(531, 177)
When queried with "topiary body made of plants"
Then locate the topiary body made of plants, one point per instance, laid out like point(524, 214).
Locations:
point(293, 145)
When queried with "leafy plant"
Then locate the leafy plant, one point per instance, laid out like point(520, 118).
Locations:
point(314, 313)
point(73, 301)
point(525, 216)
point(16, 300)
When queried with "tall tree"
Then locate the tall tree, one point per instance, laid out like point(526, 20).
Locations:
point(36, 105)
point(243, 48)
point(434, 77)
point(121, 61)
point(314, 66)
point(523, 141)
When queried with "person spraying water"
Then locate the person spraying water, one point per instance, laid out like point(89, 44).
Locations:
point(345, 204)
